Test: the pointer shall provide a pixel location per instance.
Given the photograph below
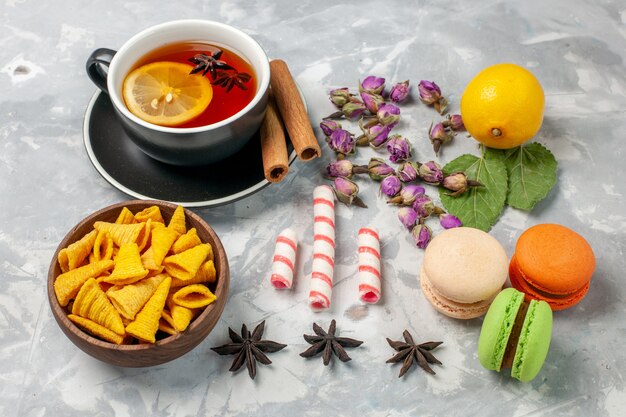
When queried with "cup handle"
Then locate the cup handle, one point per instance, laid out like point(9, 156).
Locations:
point(98, 67)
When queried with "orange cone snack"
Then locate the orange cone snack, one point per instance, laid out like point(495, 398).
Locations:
point(129, 299)
point(185, 265)
point(152, 212)
point(95, 329)
point(92, 303)
point(67, 285)
point(186, 241)
point(193, 296)
point(177, 222)
point(128, 266)
point(74, 255)
point(146, 323)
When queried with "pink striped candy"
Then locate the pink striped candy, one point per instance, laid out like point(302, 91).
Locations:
point(369, 265)
point(323, 248)
point(283, 264)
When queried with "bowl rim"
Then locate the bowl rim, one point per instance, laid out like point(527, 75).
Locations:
point(221, 289)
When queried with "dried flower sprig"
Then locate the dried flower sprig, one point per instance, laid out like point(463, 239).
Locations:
point(347, 192)
point(379, 169)
point(399, 92)
point(372, 84)
point(345, 168)
point(399, 148)
point(376, 119)
point(439, 135)
point(459, 183)
point(342, 142)
point(430, 94)
point(454, 122)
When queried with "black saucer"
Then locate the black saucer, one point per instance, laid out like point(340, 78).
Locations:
point(133, 172)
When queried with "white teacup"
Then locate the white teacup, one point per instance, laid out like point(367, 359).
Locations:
point(184, 146)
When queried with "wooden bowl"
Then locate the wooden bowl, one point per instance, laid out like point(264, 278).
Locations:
point(168, 348)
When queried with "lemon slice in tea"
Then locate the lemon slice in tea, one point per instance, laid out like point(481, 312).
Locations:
point(165, 94)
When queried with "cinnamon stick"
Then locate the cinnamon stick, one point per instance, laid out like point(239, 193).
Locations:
point(273, 144)
point(293, 112)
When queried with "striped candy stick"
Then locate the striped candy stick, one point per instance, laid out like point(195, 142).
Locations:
point(323, 248)
point(369, 265)
point(284, 260)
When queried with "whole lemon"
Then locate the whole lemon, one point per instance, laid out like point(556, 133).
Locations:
point(502, 106)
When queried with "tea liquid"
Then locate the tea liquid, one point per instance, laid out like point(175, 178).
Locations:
point(224, 104)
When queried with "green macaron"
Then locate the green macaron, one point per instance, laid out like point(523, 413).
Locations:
point(515, 334)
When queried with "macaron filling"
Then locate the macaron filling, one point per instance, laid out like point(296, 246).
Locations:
point(505, 348)
point(522, 337)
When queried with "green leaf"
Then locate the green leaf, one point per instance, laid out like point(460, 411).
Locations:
point(532, 173)
point(479, 207)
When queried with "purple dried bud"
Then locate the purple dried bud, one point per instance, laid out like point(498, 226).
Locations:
point(377, 135)
point(421, 234)
point(388, 114)
point(408, 171)
point(439, 135)
point(372, 84)
point(340, 96)
point(430, 172)
point(390, 186)
point(399, 92)
point(399, 148)
point(448, 221)
point(353, 110)
point(423, 206)
point(341, 168)
point(345, 186)
point(372, 101)
point(347, 191)
point(456, 122)
point(329, 126)
point(430, 94)
point(437, 131)
point(459, 183)
point(407, 217)
point(407, 195)
point(456, 182)
point(342, 141)
point(378, 169)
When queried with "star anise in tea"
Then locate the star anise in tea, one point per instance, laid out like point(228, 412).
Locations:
point(249, 348)
point(328, 343)
point(229, 80)
point(209, 63)
point(409, 352)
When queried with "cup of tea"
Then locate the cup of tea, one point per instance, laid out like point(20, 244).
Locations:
point(187, 92)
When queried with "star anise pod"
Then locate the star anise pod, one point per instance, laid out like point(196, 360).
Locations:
point(249, 348)
point(328, 343)
point(209, 63)
point(229, 80)
point(408, 352)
